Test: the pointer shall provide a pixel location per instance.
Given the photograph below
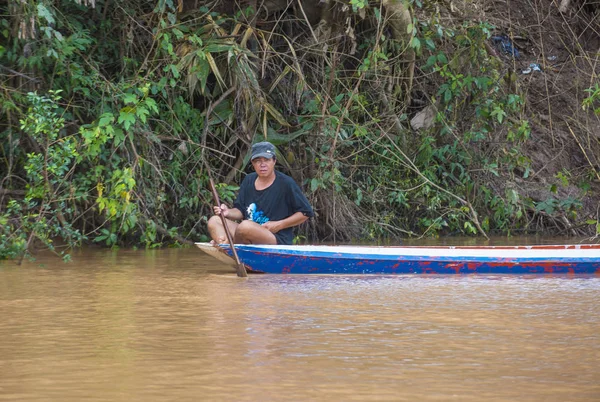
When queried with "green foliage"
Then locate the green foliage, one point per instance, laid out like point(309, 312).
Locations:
point(551, 206)
point(42, 214)
point(299, 239)
point(107, 236)
point(112, 148)
point(358, 4)
point(593, 100)
point(13, 240)
point(227, 192)
point(470, 86)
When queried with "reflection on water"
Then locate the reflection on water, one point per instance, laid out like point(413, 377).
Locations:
point(168, 325)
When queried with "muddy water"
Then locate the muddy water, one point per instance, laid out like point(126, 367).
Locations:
point(168, 325)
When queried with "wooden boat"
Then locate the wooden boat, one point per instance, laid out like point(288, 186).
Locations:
point(558, 259)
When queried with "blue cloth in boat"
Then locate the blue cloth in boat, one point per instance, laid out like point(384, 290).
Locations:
point(280, 200)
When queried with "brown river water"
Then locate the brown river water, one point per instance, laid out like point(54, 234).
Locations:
point(173, 325)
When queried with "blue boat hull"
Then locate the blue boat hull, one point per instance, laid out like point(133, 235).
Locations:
point(277, 261)
point(310, 265)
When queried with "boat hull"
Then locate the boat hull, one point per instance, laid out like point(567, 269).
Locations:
point(420, 260)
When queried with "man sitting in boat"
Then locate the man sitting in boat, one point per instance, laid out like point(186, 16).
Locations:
point(269, 204)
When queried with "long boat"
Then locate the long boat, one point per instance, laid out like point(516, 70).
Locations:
point(386, 260)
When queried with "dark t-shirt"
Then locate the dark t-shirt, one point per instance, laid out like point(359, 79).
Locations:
point(280, 200)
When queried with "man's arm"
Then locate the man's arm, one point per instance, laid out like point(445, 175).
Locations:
point(292, 220)
point(230, 213)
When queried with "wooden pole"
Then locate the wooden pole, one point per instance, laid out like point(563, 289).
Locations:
point(240, 267)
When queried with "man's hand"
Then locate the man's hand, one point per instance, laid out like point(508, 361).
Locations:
point(272, 226)
point(223, 209)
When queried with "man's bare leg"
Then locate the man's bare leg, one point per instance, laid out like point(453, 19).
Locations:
point(249, 232)
point(217, 231)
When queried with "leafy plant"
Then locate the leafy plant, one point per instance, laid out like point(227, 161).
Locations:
point(592, 99)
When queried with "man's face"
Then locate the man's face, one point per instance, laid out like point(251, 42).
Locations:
point(264, 167)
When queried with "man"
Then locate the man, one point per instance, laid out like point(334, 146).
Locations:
point(269, 204)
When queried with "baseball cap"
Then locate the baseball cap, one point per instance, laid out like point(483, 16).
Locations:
point(263, 149)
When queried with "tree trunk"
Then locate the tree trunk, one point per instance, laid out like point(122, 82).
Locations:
point(400, 18)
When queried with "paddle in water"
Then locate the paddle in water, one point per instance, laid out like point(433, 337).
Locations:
point(240, 267)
